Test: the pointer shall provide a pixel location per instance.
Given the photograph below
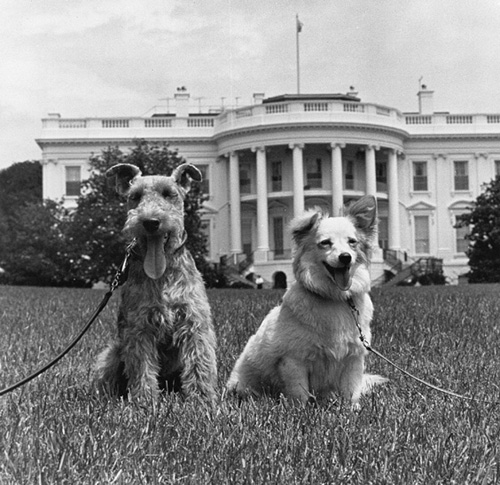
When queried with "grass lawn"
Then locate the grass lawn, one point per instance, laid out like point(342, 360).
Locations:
point(54, 430)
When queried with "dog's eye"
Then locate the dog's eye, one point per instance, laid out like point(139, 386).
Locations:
point(169, 193)
point(353, 242)
point(325, 243)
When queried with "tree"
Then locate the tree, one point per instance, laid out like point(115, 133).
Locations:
point(484, 223)
point(39, 257)
point(94, 237)
point(21, 185)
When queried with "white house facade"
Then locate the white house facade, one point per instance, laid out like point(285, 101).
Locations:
point(267, 162)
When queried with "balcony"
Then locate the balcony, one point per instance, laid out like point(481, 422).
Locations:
point(450, 124)
point(62, 129)
point(316, 111)
point(309, 111)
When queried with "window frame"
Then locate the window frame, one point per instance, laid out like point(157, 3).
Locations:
point(314, 179)
point(416, 240)
point(420, 178)
point(276, 178)
point(72, 188)
point(461, 177)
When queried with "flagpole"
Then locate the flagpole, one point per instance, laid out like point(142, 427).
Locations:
point(298, 28)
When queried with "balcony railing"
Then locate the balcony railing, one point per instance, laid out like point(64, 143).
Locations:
point(315, 106)
point(276, 108)
point(158, 123)
point(280, 112)
point(101, 127)
point(458, 119)
point(310, 110)
point(418, 119)
point(449, 119)
point(72, 124)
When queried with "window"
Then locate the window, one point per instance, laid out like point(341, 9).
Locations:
point(421, 234)
point(461, 171)
point(349, 175)
point(73, 181)
point(313, 173)
point(278, 236)
point(462, 244)
point(276, 180)
point(381, 175)
point(245, 180)
point(205, 230)
point(497, 168)
point(246, 236)
point(383, 232)
point(205, 179)
point(420, 176)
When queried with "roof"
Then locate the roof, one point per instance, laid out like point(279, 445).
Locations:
point(306, 97)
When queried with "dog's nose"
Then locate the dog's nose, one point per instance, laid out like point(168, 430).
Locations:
point(151, 225)
point(345, 258)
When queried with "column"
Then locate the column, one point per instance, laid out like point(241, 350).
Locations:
point(393, 192)
point(439, 222)
point(371, 189)
point(262, 212)
point(337, 179)
point(234, 199)
point(371, 175)
point(298, 178)
point(53, 179)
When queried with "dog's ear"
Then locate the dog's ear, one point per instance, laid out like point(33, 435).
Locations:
point(364, 213)
point(123, 174)
point(184, 173)
point(302, 225)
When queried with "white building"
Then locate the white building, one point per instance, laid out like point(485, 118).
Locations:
point(268, 161)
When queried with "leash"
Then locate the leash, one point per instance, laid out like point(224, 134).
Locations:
point(368, 347)
point(118, 280)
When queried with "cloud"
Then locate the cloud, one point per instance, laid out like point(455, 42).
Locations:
point(108, 57)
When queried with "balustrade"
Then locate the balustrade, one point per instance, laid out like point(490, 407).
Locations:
point(289, 111)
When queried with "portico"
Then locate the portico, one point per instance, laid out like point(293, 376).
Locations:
point(303, 175)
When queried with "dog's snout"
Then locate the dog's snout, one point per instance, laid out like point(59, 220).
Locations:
point(345, 258)
point(151, 225)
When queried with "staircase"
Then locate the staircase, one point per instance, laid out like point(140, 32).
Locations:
point(404, 272)
point(233, 270)
point(402, 275)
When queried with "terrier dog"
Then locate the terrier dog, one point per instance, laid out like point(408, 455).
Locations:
point(165, 338)
point(309, 346)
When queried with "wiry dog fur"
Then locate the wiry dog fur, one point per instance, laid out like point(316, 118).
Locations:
point(309, 346)
point(165, 338)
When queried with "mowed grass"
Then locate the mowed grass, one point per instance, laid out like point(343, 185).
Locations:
point(55, 430)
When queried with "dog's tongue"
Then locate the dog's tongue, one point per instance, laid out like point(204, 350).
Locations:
point(155, 262)
point(342, 278)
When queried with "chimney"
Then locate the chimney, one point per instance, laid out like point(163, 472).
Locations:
point(181, 102)
point(425, 101)
point(352, 92)
point(258, 98)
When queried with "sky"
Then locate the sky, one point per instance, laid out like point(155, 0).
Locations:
point(93, 58)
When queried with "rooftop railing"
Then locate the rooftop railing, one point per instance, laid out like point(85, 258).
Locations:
point(450, 119)
point(282, 112)
point(127, 123)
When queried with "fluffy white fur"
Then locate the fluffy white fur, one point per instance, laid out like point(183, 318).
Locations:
point(309, 346)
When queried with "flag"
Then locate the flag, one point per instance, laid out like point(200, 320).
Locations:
point(299, 24)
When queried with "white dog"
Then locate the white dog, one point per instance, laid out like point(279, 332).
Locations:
point(310, 346)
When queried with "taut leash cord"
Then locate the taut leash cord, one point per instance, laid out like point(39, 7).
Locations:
point(368, 347)
point(116, 282)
